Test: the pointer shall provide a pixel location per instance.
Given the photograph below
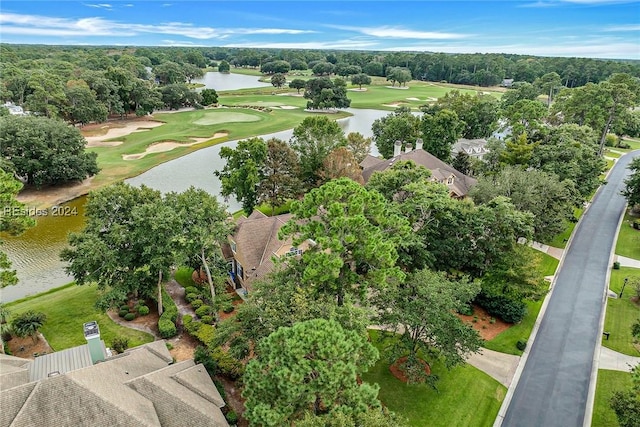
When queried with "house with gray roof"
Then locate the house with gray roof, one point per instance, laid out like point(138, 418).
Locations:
point(254, 245)
point(141, 386)
point(458, 183)
point(476, 148)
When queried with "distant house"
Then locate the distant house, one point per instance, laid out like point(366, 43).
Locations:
point(473, 147)
point(506, 83)
point(254, 245)
point(141, 387)
point(14, 110)
point(459, 184)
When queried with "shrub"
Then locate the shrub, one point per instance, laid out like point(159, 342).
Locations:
point(466, 310)
point(196, 303)
point(166, 327)
point(143, 310)
point(123, 313)
point(521, 345)
point(169, 306)
point(190, 297)
point(207, 319)
point(120, 344)
point(186, 319)
point(227, 365)
point(124, 307)
point(169, 345)
point(636, 224)
point(492, 320)
point(616, 265)
point(202, 355)
point(129, 316)
point(508, 309)
point(228, 308)
point(232, 417)
point(191, 290)
point(205, 333)
point(221, 389)
point(204, 310)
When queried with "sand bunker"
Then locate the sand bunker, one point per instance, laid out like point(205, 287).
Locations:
point(128, 128)
point(288, 107)
point(364, 89)
point(413, 99)
point(161, 147)
point(397, 87)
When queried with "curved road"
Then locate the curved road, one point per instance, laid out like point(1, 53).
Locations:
point(554, 385)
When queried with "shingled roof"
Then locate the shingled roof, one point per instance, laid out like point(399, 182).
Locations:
point(138, 387)
point(440, 170)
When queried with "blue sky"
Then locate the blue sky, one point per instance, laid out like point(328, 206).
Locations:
point(584, 28)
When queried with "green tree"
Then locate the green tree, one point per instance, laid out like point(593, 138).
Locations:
point(278, 80)
point(209, 96)
point(46, 93)
point(517, 151)
point(224, 67)
point(323, 93)
point(280, 174)
point(242, 172)
point(398, 74)
point(525, 116)
point(358, 145)
point(401, 125)
point(626, 404)
point(355, 234)
point(28, 324)
point(202, 225)
point(423, 310)
point(313, 140)
point(297, 84)
point(439, 132)
point(632, 184)
point(313, 367)
point(360, 79)
point(170, 72)
point(479, 113)
point(548, 85)
point(178, 95)
point(519, 91)
point(45, 151)
point(191, 72)
point(462, 162)
point(374, 417)
point(5, 326)
point(82, 105)
point(110, 250)
point(550, 200)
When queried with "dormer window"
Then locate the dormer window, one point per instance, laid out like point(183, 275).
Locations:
point(233, 246)
point(294, 251)
point(450, 180)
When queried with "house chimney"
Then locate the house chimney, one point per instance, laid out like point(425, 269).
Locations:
point(397, 148)
point(419, 144)
point(96, 347)
point(407, 147)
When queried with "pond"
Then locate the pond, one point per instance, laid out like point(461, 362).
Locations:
point(35, 254)
point(228, 81)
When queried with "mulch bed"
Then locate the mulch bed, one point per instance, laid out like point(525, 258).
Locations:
point(27, 348)
point(397, 369)
point(483, 325)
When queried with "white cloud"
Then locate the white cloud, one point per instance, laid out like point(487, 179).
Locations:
point(337, 44)
point(627, 27)
point(34, 25)
point(106, 6)
point(401, 33)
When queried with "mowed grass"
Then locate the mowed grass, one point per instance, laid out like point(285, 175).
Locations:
point(505, 342)
point(608, 383)
point(67, 309)
point(621, 313)
point(465, 397)
point(628, 244)
point(182, 127)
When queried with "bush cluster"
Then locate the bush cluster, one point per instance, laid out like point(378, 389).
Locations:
point(143, 310)
point(129, 316)
point(204, 310)
point(166, 327)
point(508, 309)
point(120, 344)
point(521, 345)
point(197, 303)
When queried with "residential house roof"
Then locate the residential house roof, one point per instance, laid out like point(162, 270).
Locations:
point(459, 184)
point(139, 386)
point(473, 147)
point(256, 241)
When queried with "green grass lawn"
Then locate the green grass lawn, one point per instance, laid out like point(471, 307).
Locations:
point(628, 244)
point(621, 313)
point(465, 397)
point(67, 309)
point(182, 127)
point(633, 142)
point(505, 342)
point(608, 383)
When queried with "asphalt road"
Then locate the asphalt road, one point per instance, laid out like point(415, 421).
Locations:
point(553, 387)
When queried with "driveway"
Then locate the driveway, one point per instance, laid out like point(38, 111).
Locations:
point(553, 387)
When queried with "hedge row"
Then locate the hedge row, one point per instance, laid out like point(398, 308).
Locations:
point(167, 322)
point(508, 309)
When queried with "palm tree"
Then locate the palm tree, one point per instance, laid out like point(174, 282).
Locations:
point(28, 324)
